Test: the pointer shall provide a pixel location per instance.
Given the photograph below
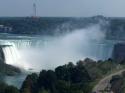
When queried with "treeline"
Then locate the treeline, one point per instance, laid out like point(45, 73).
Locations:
point(45, 25)
point(4, 88)
point(114, 27)
point(70, 78)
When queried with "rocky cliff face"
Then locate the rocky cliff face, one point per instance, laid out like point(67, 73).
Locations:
point(119, 52)
point(5, 68)
point(8, 70)
point(118, 83)
point(2, 57)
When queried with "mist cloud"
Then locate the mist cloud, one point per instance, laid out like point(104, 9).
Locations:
point(71, 47)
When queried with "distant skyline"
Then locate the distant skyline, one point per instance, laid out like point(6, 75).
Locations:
point(63, 8)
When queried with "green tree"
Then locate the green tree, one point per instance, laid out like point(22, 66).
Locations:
point(11, 89)
point(47, 80)
point(43, 91)
point(29, 85)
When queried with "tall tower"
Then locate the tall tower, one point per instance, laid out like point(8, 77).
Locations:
point(34, 10)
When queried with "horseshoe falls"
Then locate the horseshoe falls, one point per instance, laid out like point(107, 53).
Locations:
point(46, 52)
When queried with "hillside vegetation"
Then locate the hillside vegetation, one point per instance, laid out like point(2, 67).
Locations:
point(70, 78)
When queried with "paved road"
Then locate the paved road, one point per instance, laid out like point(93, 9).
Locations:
point(103, 83)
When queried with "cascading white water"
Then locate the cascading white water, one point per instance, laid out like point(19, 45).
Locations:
point(11, 55)
point(49, 52)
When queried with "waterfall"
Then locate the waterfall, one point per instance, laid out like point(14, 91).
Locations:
point(43, 54)
point(11, 55)
point(46, 52)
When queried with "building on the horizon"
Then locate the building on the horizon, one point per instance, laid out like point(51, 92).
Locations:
point(5, 29)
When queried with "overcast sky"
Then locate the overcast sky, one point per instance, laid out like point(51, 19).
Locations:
point(67, 8)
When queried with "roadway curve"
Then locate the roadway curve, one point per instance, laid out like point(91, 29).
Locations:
point(103, 83)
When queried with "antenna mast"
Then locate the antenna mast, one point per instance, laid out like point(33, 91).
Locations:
point(34, 10)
